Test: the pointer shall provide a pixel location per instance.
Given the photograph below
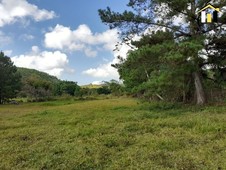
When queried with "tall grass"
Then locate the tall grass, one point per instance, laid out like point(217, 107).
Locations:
point(112, 134)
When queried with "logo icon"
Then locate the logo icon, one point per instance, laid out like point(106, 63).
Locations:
point(209, 14)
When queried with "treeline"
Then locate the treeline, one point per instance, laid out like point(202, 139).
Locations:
point(40, 90)
point(38, 86)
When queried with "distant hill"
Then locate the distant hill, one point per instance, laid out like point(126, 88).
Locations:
point(26, 73)
point(92, 86)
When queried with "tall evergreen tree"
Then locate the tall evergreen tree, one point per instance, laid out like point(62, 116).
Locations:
point(196, 46)
point(9, 78)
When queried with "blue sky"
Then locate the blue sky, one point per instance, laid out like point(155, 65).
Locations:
point(63, 38)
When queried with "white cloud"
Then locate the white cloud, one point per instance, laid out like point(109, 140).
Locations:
point(97, 83)
point(35, 49)
point(12, 11)
point(106, 71)
point(103, 71)
point(54, 63)
point(59, 38)
point(81, 39)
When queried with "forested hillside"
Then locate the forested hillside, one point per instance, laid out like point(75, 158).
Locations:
point(26, 73)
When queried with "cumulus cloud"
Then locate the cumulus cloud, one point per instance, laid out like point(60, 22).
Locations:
point(106, 71)
point(80, 39)
point(83, 39)
point(53, 63)
point(12, 11)
point(103, 71)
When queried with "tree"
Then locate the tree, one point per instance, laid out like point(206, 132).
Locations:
point(193, 38)
point(66, 87)
point(36, 89)
point(115, 87)
point(9, 78)
point(103, 90)
point(163, 69)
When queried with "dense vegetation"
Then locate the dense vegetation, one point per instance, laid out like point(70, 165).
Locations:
point(177, 62)
point(39, 86)
point(112, 134)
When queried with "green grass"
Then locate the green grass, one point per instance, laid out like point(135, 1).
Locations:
point(111, 134)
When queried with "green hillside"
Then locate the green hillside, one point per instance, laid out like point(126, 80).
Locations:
point(92, 86)
point(26, 73)
point(40, 86)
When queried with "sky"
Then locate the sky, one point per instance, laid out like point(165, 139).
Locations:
point(62, 38)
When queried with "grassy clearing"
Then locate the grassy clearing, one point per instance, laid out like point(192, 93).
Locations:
point(111, 134)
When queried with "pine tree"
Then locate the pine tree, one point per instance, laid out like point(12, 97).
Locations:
point(9, 79)
point(198, 45)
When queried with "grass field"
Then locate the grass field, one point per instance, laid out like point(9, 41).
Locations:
point(114, 134)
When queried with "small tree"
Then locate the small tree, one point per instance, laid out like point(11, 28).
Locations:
point(9, 79)
point(67, 87)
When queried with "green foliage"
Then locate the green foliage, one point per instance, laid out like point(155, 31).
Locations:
point(176, 62)
point(103, 90)
point(9, 79)
point(115, 87)
point(165, 68)
point(36, 89)
point(67, 87)
point(27, 73)
point(39, 86)
point(36, 85)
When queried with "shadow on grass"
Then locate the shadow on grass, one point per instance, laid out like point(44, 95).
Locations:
point(158, 110)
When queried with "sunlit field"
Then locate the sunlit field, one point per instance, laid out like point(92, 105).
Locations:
point(112, 134)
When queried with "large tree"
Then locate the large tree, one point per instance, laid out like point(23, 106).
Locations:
point(9, 78)
point(196, 46)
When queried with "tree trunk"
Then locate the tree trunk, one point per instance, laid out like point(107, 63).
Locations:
point(199, 90)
